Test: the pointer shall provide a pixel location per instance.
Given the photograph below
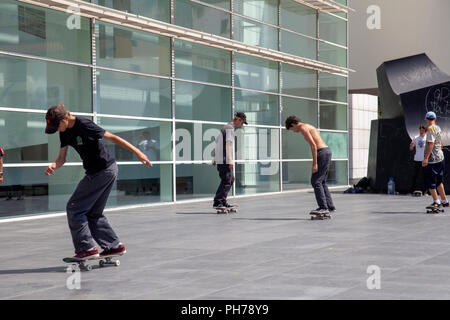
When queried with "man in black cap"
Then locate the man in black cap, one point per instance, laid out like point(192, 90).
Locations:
point(85, 208)
point(223, 158)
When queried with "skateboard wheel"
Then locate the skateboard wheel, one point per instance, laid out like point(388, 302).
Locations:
point(101, 263)
point(88, 267)
point(117, 263)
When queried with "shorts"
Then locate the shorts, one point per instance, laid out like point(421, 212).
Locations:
point(434, 174)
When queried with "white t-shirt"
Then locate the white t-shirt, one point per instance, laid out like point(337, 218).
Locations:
point(420, 144)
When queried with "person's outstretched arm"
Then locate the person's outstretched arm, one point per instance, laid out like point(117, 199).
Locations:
point(126, 145)
point(58, 163)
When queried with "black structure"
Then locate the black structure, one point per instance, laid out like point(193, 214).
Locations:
point(408, 89)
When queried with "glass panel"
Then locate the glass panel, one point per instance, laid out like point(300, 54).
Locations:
point(254, 178)
point(297, 45)
point(255, 73)
point(338, 174)
point(127, 94)
point(33, 84)
point(333, 116)
point(195, 141)
point(137, 184)
point(36, 192)
point(193, 102)
point(259, 108)
point(263, 10)
point(306, 110)
point(295, 146)
point(297, 175)
point(128, 49)
point(333, 55)
point(298, 18)
point(42, 32)
point(225, 4)
point(333, 29)
point(154, 138)
point(155, 9)
point(197, 181)
point(337, 142)
point(198, 17)
point(333, 87)
point(257, 143)
point(298, 81)
point(254, 33)
point(202, 63)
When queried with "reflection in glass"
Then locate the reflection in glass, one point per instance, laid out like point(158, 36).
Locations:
point(298, 45)
point(260, 108)
point(295, 146)
point(155, 9)
point(127, 94)
point(332, 54)
point(297, 17)
point(194, 102)
point(255, 73)
point(337, 142)
point(42, 32)
point(256, 34)
point(298, 81)
point(306, 110)
point(132, 50)
point(202, 63)
point(34, 84)
point(198, 17)
point(333, 87)
point(332, 29)
point(153, 138)
point(263, 10)
point(256, 143)
point(196, 181)
point(297, 175)
point(333, 116)
point(338, 174)
point(257, 177)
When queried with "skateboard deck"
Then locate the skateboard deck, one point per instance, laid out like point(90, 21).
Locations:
point(227, 209)
point(320, 216)
point(84, 264)
point(434, 211)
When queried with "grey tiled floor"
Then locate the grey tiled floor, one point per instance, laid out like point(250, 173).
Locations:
point(269, 250)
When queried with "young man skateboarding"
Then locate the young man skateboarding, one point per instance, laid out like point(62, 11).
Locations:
point(223, 158)
point(85, 208)
point(418, 143)
point(321, 155)
point(434, 163)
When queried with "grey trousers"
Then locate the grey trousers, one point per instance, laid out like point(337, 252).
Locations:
point(319, 179)
point(85, 211)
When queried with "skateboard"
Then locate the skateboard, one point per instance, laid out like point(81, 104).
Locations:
point(435, 211)
point(320, 216)
point(227, 210)
point(417, 193)
point(83, 264)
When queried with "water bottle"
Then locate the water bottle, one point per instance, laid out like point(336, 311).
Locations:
point(391, 186)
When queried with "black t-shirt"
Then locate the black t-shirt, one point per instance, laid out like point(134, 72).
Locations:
point(86, 138)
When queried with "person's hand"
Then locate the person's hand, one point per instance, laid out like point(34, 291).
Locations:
point(143, 158)
point(50, 169)
point(231, 165)
point(424, 162)
point(214, 163)
point(315, 168)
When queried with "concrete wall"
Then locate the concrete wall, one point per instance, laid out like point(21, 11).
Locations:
point(408, 27)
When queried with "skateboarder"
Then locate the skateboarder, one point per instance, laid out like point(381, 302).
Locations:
point(223, 158)
point(85, 208)
point(321, 155)
point(418, 143)
point(434, 163)
point(2, 153)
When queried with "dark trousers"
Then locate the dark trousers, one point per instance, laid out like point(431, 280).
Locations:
point(226, 182)
point(319, 179)
point(418, 176)
point(85, 211)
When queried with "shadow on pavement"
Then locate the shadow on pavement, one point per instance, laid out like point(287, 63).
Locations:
point(41, 270)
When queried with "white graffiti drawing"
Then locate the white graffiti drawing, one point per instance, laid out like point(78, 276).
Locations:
point(438, 101)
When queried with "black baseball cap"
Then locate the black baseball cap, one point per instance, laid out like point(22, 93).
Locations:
point(54, 115)
point(242, 116)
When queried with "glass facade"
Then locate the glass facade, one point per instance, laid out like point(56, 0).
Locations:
point(169, 97)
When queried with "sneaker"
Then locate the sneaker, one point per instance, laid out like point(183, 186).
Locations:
point(87, 254)
point(320, 211)
point(217, 205)
point(445, 205)
point(332, 209)
point(227, 205)
point(434, 205)
point(119, 250)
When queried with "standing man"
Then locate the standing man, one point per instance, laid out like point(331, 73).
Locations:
point(85, 208)
point(223, 157)
point(419, 144)
point(321, 155)
point(434, 163)
point(2, 153)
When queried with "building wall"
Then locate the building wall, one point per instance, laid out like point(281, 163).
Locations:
point(152, 89)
